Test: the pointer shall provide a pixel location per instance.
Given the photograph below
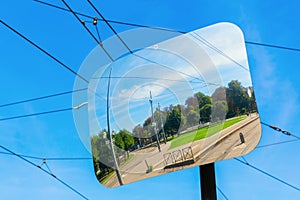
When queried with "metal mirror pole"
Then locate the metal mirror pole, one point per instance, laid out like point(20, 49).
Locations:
point(208, 182)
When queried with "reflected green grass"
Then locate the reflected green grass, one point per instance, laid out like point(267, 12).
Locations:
point(203, 132)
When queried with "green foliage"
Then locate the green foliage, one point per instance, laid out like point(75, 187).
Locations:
point(192, 118)
point(219, 110)
point(205, 113)
point(124, 140)
point(173, 121)
point(119, 141)
point(202, 99)
point(102, 155)
point(238, 100)
point(224, 103)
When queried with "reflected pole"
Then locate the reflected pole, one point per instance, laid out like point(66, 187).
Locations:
point(119, 176)
point(162, 126)
point(152, 121)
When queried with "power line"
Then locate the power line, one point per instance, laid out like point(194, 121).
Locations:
point(41, 97)
point(107, 23)
point(276, 143)
point(97, 30)
point(35, 114)
point(222, 193)
point(166, 29)
point(44, 51)
point(151, 78)
point(267, 45)
point(45, 171)
point(131, 52)
point(268, 174)
point(244, 159)
point(279, 130)
point(127, 47)
point(49, 158)
point(48, 112)
point(82, 22)
point(110, 21)
point(64, 9)
point(123, 42)
point(88, 30)
point(272, 46)
point(213, 47)
point(102, 17)
point(62, 159)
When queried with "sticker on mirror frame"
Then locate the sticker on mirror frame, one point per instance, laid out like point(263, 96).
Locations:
point(175, 101)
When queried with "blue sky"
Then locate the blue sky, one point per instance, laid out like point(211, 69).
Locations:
point(26, 73)
point(184, 65)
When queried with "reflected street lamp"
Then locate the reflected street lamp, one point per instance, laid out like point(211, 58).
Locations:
point(152, 122)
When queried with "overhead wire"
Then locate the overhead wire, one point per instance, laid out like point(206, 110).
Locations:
point(276, 143)
point(61, 8)
point(107, 23)
point(268, 174)
point(67, 109)
point(149, 78)
point(110, 21)
point(98, 33)
point(165, 29)
point(273, 46)
point(280, 130)
point(213, 47)
point(45, 171)
point(222, 193)
point(244, 159)
point(35, 114)
point(88, 30)
point(253, 43)
point(49, 158)
point(129, 50)
point(41, 97)
point(44, 51)
point(123, 42)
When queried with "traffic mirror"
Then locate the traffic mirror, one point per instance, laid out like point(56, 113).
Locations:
point(166, 101)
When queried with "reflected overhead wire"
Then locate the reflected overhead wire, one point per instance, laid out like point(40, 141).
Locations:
point(150, 78)
point(213, 47)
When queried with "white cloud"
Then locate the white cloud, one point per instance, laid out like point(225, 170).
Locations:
point(173, 65)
